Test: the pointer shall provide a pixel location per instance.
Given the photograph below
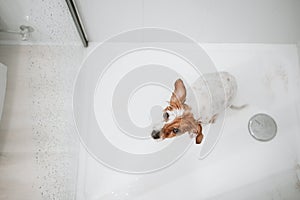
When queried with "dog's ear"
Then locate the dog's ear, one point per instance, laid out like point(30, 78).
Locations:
point(199, 136)
point(179, 93)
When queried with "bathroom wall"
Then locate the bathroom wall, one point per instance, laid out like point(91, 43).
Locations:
point(258, 21)
point(38, 145)
point(230, 21)
point(51, 21)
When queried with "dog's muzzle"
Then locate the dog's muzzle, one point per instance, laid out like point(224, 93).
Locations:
point(155, 134)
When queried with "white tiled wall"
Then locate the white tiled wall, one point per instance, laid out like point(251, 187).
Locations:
point(38, 145)
point(230, 21)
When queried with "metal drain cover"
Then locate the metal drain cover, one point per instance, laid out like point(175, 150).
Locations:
point(262, 127)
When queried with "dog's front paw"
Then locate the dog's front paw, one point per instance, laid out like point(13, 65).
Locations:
point(199, 138)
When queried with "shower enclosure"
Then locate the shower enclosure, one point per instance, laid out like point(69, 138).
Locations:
point(76, 121)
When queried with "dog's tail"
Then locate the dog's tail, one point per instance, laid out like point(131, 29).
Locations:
point(233, 107)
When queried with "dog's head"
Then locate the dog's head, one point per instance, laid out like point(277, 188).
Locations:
point(177, 117)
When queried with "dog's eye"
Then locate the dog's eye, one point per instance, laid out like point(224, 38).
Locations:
point(175, 130)
point(166, 115)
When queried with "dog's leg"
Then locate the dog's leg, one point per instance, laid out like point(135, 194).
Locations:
point(213, 119)
point(199, 136)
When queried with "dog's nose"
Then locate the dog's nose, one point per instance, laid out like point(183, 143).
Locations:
point(155, 134)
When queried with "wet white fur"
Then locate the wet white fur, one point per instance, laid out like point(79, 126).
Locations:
point(211, 94)
point(208, 96)
point(173, 115)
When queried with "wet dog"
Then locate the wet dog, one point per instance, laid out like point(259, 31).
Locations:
point(208, 96)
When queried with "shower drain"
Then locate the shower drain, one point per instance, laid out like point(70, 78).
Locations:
point(262, 127)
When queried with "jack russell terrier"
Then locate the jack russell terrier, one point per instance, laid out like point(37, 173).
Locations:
point(208, 96)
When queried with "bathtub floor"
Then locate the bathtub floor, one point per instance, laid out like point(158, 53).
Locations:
point(239, 166)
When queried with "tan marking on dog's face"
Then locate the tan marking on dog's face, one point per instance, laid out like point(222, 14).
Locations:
point(177, 117)
point(180, 125)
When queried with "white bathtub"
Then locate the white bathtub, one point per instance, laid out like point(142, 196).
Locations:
point(239, 167)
